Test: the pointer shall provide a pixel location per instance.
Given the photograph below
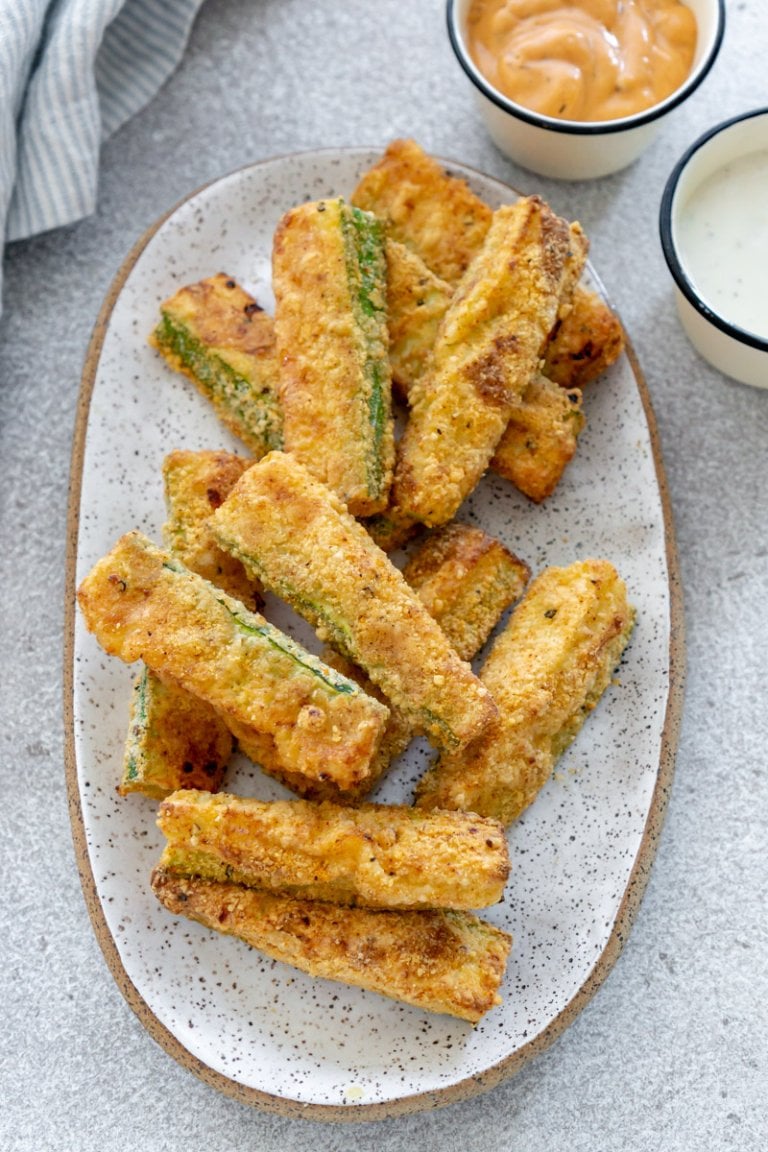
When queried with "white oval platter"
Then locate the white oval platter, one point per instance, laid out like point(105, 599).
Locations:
point(256, 1029)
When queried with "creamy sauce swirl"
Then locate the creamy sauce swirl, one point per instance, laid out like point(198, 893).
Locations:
point(722, 239)
point(592, 60)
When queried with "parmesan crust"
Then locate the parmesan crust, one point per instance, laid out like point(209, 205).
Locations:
point(377, 856)
point(449, 962)
point(486, 353)
point(331, 334)
point(143, 604)
point(547, 671)
point(296, 536)
point(196, 483)
point(216, 334)
point(434, 214)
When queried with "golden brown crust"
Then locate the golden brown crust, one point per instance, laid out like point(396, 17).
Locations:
point(486, 354)
point(449, 962)
point(174, 741)
point(293, 533)
point(328, 382)
point(375, 856)
point(587, 340)
point(142, 604)
point(466, 579)
point(425, 208)
point(416, 301)
point(196, 484)
point(218, 336)
point(226, 317)
point(547, 671)
point(540, 438)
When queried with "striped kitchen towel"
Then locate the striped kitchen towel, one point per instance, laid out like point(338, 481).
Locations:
point(71, 72)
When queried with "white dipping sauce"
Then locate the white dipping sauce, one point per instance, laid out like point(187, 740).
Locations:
point(722, 241)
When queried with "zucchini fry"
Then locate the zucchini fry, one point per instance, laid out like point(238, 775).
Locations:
point(218, 336)
point(295, 536)
point(449, 962)
point(547, 671)
point(425, 208)
point(466, 579)
point(196, 483)
point(417, 301)
point(486, 354)
point(174, 741)
point(398, 733)
point(377, 856)
point(143, 604)
point(329, 278)
point(540, 438)
point(586, 341)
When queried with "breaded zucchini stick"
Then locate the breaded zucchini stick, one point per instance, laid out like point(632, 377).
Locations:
point(417, 301)
point(196, 483)
point(377, 856)
point(329, 278)
point(449, 962)
point(585, 342)
point(540, 438)
point(425, 208)
point(174, 741)
point(466, 579)
point(398, 733)
point(575, 263)
point(294, 535)
point(547, 671)
point(486, 354)
point(217, 335)
point(143, 604)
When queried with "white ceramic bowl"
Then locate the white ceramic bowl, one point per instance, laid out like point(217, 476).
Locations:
point(571, 149)
point(709, 311)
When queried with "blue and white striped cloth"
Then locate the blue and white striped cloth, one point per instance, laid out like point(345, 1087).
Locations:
point(71, 72)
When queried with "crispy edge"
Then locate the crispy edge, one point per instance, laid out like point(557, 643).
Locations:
point(466, 580)
point(540, 438)
point(586, 341)
point(225, 331)
point(195, 485)
point(425, 208)
point(544, 691)
point(440, 961)
point(174, 741)
point(374, 855)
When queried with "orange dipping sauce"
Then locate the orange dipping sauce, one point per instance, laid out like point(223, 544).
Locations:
point(592, 60)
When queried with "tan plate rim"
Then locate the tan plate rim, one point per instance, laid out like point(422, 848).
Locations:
point(473, 1085)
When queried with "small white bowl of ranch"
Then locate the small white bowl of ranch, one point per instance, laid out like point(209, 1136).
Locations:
point(714, 233)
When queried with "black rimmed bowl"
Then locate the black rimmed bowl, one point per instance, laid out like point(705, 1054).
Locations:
point(571, 149)
point(714, 232)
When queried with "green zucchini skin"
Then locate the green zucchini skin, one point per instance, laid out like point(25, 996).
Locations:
point(174, 741)
point(215, 333)
point(143, 604)
point(329, 277)
point(296, 536)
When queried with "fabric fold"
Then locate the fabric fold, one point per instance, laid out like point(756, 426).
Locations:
point(71, 73)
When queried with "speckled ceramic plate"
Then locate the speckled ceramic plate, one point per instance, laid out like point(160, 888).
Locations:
point(254, 1028)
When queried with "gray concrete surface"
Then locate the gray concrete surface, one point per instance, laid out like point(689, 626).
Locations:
point(671, 1054)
